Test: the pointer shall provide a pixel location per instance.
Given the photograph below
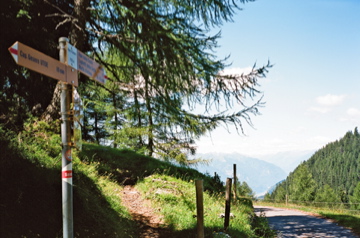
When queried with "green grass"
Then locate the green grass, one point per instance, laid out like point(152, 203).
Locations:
point(342, 217)
point(31, 200)
point(31, 203)
point(175, 199)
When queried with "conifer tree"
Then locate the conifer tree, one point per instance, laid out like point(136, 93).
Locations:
point(355, 198)
point(165, 67)
point(302, 187)
point(164, 63)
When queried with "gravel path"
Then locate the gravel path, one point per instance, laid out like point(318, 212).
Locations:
point(150, 224)
point(290, 223)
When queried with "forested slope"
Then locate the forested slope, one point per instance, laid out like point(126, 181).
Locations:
point(331, 175)
point(338, 164)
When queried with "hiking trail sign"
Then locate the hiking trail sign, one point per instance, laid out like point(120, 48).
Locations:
point(84, 64)
point(65, 70)
point(43, 64)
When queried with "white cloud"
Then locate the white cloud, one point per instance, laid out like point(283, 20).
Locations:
point(320, 109)
point(326, 103)
point(298, 130)
point(330, 100)
point(354, 112)
point(236, 71)
point(352, 115)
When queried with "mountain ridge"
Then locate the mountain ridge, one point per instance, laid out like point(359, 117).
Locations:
point(258, 174)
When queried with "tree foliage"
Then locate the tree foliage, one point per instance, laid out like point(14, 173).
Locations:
point(355, 198)
point(331, 175)
point(302, 186)
point(243, 189)
point(24, 92)
point(161, 63)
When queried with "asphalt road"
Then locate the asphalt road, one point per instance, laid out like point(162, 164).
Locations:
point(290, 223)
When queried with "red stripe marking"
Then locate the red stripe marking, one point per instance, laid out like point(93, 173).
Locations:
point(67, 174)
point(13, 51)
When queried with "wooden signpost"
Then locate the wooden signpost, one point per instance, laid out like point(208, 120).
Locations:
point(71, 61)
point(84, 64)
point(43, 64)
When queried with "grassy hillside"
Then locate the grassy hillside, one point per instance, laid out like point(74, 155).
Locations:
point(31, 202)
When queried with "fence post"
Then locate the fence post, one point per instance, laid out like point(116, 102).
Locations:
point(227, 203)
point(235, 178)
point(199, 208)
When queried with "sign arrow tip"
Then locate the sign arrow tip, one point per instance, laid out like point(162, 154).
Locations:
point(14, 51)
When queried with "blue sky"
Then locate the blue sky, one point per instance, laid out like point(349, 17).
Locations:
point(312, 93)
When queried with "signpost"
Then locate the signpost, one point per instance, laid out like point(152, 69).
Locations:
point(66, 71)
point(85, 64)
point(66, 161)
point(43, 64)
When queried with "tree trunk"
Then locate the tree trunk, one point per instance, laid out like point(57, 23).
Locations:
point(115, 119)
point(139, 123)
point(52, 112)
point(77, 38)
point(150, 119)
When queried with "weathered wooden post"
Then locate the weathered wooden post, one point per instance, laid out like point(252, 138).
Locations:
point(199, 208)
point(227, 203)
point(235, 178)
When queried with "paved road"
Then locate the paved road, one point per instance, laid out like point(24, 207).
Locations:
point(290, 223)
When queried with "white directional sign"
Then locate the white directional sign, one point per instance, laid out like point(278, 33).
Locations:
point(72, 56)
point(85, 64)
point(41, 63)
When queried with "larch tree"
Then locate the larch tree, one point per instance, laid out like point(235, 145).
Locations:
point(164, 67)
point(170, 66)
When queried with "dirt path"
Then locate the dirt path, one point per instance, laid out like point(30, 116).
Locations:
point(291, 223)
point(150, 223)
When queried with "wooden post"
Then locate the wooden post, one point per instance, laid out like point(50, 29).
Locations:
point(227, 203)
point(235, 178)
point(199, 208)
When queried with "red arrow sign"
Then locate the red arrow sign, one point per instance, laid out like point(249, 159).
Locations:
point(41, 63)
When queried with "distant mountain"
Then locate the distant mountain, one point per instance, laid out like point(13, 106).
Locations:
point(288, 160)
point(258, 174)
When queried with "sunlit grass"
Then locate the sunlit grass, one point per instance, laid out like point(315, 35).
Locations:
point(175, 200)
point(99, 174)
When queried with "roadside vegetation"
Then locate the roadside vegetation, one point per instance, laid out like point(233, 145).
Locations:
point(175, 200)
point(30, 169)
